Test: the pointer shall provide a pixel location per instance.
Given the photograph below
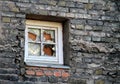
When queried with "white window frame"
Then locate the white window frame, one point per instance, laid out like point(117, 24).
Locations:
point(37, 60)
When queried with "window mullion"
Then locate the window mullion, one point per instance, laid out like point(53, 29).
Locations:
point(41, 41)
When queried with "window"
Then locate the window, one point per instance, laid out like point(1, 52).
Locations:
point(43, 42)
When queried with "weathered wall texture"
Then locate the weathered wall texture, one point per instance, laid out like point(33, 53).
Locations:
point(94, 42)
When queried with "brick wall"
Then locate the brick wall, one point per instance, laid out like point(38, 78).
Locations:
point(94, 39)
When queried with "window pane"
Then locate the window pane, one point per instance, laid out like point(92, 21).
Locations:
point(49, 50)
point(48, 35)
point(34, 35)
point(34, 49)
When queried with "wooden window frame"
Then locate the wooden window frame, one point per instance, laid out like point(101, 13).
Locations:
point(45, 60)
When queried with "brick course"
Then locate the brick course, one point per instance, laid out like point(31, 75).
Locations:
point(41, 71)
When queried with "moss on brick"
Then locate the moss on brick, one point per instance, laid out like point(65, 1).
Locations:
point(15, 9)
point(99, 82)
point(62, 3)
point(88, 6)
point(99, 72)
point(6, 19)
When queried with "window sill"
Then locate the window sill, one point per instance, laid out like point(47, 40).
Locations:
point(47, 65)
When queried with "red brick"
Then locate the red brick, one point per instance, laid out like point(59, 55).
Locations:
point(65, 74)
point(39, 73)
point(48, 73)
point(57, 73)
point(30, 72)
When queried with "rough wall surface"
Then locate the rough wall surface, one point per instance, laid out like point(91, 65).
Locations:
point(94, 42)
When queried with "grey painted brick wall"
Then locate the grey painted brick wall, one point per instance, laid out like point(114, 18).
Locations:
point(94, 40)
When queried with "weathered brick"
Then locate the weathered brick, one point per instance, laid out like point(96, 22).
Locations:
point(52, 79)
point(43, 12)
point(97, 34)
point(70, 4)
point(57, 73)
point(8, 14)
point(88, 6)
point(25, 5)
point(23, 1)
point(6, 60)
point(48, 73)
point(80, 27)
point(93, 23)
point(96, 39)
point(61, 9)
point(11, 6)
point(6, 82)
point(99, 82)
point(30, 78)
point(87, 38)
point(61, 3)
point(87, 27)
point(6, 19)
point(95, 1)
point(9, 77)
point(78, 32)
point(99, 72)
point(79, 15)
point(107, 18)
point(74, 10)
point(61, 14)
point(78, 81)
point(79, 22)
point(97, 28)
point(53, 2)
point(87, 16)
point(14, 9)
point(105, 39)
point(43, 1)
point(70, 15)
point(82, 1)
point(20, 15)
point(8, 71)
point(87, 60)
point(39, 73)
point(80, 5)
point(30, 72)
point(97, 6)
point(65, 74)
point(94, 12)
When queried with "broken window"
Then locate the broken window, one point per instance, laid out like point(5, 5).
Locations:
point(43, 42)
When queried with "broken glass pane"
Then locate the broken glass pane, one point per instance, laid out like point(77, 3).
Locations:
point(34, 49)
point(49, 35)
point(33, 35)
point(49, 50)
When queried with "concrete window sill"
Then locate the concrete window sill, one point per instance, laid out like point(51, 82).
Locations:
point(47, 65)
